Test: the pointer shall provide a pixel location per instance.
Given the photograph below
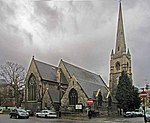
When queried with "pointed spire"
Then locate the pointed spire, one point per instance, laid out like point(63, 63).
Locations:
point(120, 39)
point(128, 53)
point(112, 52)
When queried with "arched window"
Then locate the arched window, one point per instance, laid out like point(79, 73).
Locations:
point(127, 65)
point(118, 48)
point(109, 101)
point(117, 66)
point(73, 97)
point(32, 88)
point(100, 99)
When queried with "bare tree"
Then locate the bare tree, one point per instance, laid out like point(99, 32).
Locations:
point(14, 75)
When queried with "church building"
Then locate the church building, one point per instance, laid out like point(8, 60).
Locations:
point(65, 86)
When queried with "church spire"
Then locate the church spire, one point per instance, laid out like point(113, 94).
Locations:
point(120, 39)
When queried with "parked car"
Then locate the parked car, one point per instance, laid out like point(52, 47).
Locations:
point(130, 114)
point(139, 112)
point(19, 113)
point(46, 114)
point(1, 111)
point(31, 113)
point(147, 115)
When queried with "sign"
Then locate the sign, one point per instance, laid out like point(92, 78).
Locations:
point(90, 101)
point(143, 94)
point(78, 106)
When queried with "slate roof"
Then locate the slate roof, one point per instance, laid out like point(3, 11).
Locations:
point(90, 82)
point(47, 72)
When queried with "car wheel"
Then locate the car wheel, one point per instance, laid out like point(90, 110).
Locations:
point(45, 116)
point(17, 116)
point(27, 117)
point(10, 116)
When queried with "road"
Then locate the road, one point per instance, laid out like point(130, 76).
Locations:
point(4, 118)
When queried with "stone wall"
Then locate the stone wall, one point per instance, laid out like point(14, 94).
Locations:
point(82, 98)
point(47, 102)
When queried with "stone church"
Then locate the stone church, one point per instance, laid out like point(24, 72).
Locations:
point(65, 86)
point(69, 87)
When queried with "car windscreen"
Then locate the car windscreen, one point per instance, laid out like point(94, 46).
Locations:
point(21, 110)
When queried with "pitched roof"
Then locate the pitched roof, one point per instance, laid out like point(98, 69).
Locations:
point(90, 82)
point(47, 71)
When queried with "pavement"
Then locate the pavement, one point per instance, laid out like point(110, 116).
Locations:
point(85, 117)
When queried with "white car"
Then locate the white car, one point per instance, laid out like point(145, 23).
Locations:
point(147, 115)
point(46, 114)
point(139, 112)
point(1, 111)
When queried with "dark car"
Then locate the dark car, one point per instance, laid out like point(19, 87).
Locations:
point(19, 113)
point(31, 113)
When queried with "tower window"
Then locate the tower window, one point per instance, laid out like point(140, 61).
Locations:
point(73, 97)
point(127, 65)
point(118, 48)
point(117, 66)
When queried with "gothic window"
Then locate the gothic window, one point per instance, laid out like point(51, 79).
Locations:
point(117, 66)
point(32, 88)
point(100, 99)
point(73, 97)
point(109, 101)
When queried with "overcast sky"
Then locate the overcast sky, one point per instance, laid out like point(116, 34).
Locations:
point(80, 32)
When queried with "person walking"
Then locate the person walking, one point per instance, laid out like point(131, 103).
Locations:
point(90, 114)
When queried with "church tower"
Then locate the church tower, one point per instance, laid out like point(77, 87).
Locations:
point(120, 59)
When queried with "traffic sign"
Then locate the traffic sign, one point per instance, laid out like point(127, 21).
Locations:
point(90, 101)
point(143, 94)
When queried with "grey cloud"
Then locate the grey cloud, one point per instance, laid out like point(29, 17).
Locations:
point(52, 15)
point(87, 34)
point(28, 37)
point(6, 10)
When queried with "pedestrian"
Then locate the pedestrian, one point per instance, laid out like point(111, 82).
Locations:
point(89, 113)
